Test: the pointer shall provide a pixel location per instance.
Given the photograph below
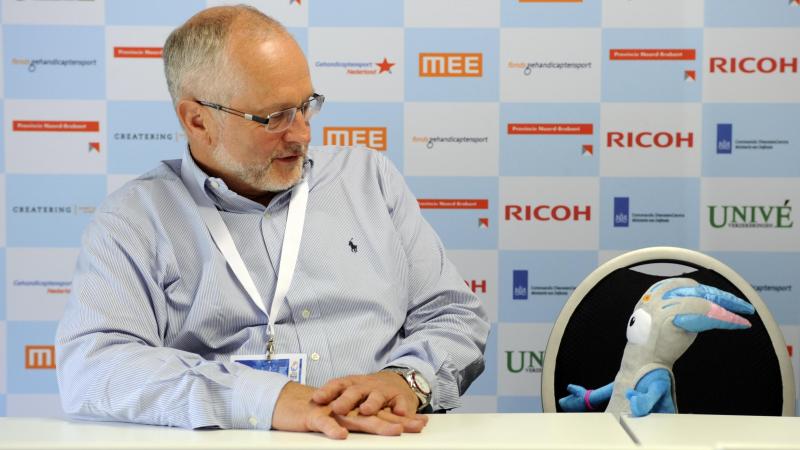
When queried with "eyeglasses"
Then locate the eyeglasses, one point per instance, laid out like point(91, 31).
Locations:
point(278, 121)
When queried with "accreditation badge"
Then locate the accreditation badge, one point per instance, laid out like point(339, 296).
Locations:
point(292, 365)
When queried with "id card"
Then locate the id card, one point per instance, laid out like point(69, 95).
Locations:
point(292, 365)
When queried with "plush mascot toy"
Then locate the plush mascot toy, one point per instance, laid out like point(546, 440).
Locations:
point(663, 325)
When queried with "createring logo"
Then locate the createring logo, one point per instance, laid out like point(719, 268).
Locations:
point(53, 209)
point(476, 286)
point(726, 143)
point(451, 65)
point(175, 136)
point(52, 286)
point(374, 138)
point(430, 142)
point(40, 357)
point(530, 68)
point(358, 67)
point(546, 213)
point(34, 63)
point(650, 139)
point(751, 216)
point(138, 52)
point(752, 64)
point(527, 361)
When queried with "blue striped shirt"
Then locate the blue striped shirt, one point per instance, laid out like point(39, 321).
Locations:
point(156, 313)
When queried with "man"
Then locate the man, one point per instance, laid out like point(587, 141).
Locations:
point(179, 268)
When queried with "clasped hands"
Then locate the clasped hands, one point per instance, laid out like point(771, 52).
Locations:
point(379, 403)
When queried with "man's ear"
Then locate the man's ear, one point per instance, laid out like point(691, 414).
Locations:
point(200, 126)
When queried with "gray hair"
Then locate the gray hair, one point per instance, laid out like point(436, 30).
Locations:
point(196, 62)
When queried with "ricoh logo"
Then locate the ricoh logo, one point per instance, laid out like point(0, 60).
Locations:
point(476, 286)
point(528, 361)
point(545, 213)
point(752, 64)
point(751, 216)
point(40, 357)
point(370, 137)
point(648, 139)
point(451, 64)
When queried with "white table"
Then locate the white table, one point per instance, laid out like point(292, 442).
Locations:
point(445, 431)
point(719, 432)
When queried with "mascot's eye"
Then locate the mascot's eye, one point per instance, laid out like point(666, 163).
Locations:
point(638, 327)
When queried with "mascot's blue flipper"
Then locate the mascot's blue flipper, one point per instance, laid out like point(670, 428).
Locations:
point(579, 401)
point(653, 394)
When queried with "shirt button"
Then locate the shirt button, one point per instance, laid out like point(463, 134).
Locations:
point(267, 215)
point(215, 185)
point(306, 314)
point(315, 356)
point(253, 421)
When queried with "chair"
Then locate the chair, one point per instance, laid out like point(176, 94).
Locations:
point(742, 372)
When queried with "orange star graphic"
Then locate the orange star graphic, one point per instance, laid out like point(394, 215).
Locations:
point(385, 66)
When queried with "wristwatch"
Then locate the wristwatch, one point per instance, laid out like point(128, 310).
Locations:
point(418, 384)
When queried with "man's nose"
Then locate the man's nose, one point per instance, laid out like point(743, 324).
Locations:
point(299, 130)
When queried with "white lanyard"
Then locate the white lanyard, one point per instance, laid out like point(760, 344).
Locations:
point(289, 249)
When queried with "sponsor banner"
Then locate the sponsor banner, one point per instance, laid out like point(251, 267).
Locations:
point(51, 210)
point(774, 276)
point(534, 285)
point(444, 14)
point(486, 383)
point(520, 357)
point(478, 268)
point(356, 13)
point(552, 139)
point(564, 65)
point(548, 213)
point(751, 65)
point(643, 212)
point(378, 127)
point(464, 145)
point(451, 65)
point(746, 13)
point(141, 134)
point(61, 12)
point(291, 13)
point(135, 68)
point(54, 62)
point(152, 12)
point(40, 406)
point(642, 66)
point(465, 209)
point(31, 357)
point(519, 404)
point(550, 13)
point(55, 136)
point(477, 404)
point(38, 282)
point(748, 140)
point(749, 214)
point(651, 140)
point(652, 14)
point(357, 64)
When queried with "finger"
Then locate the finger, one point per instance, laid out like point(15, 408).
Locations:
point(331, 390)
point(370, 424)
point(410, 425)
point(404, 406)
point(328, 426)
point(574, 389)
point(349, 400)
point(374, 403)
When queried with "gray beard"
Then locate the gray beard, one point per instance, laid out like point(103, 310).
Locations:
point(257, 176)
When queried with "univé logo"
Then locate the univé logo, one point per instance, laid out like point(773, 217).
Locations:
point(545, 213)
point(649, 139)
point(752, 64)
point(528, 361)
point(751, 216)
point(40, 357)
point(370, 137)
point(451, 64)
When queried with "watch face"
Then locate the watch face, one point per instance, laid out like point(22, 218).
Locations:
point(421, 383)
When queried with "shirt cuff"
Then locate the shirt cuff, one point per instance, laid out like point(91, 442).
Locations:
point(444, 394)
point(254, 396)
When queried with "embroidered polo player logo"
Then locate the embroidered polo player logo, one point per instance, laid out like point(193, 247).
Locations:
point(353, 247)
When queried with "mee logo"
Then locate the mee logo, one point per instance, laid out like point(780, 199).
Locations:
point(546, 213)
point(450, 65)
point(33, 64)
point(360, 68)
point(74, 126)
point(40, 356)
point(476, 286)
point(525, 361)
point(752, 64)
point(138, 52)
point(374, 138)
point(650, 139)
point(453, 203)
point(751, 216)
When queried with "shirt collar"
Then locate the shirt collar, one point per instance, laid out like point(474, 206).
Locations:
point(228, 200)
